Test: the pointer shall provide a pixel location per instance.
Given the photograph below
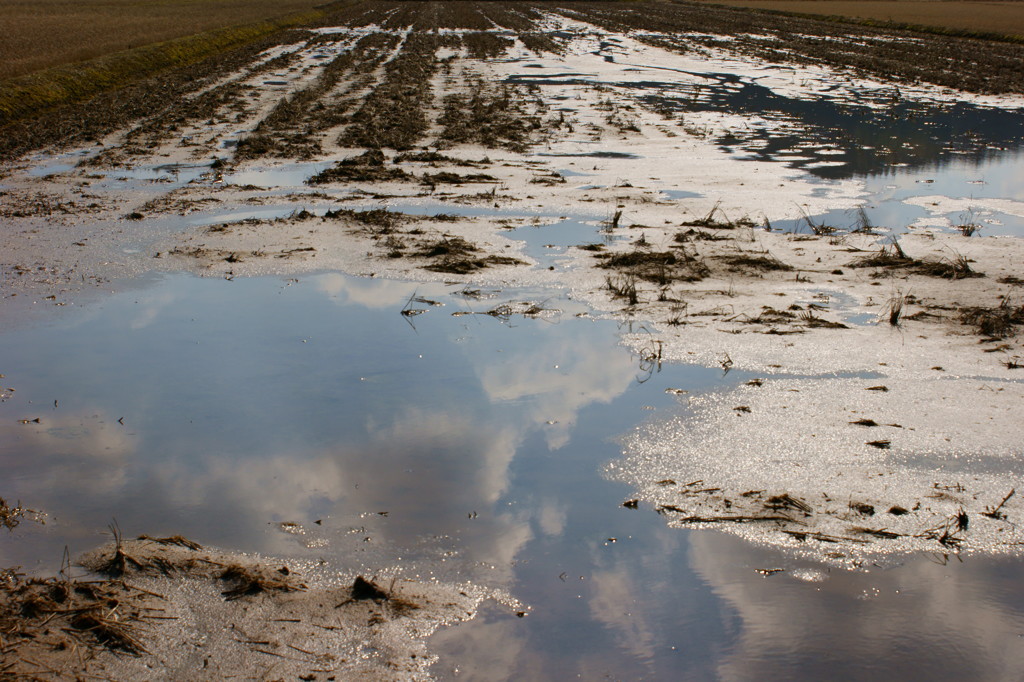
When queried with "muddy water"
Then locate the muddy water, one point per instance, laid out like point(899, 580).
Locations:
point(310, 418)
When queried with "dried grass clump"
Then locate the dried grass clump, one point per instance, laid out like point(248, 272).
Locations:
point(723, 223)
point(251, 580)
point(173, 540)
point(895, 309)
point(45, 612)
point(457, 256)
point(380, 218)
point(956, 268)
point(809, 319)
point(769, 315)
point(367, 167)
point(660, 267)
point(996, 322)
point(492, 116)
point(368, 590)
point(108, 631)
point(892, 256)
point(693, 235)
point(449, 178)
point(485, 45)
point(433, 158)
point(624, 287)
point(10, 516)
point(541, 42)
point(120, 562)
point(746, 261)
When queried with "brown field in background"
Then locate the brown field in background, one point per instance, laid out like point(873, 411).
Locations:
point(1006, 17)
point(38, 34)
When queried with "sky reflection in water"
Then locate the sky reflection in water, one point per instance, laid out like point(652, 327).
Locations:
point(250, 403)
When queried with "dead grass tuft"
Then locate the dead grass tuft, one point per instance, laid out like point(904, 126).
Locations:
point(747, 261)
point(660, 267)
point(995, 322)
point(955, 268)
point(370, 166)
point(380, 218)
point(723, 222)
point(252, 580)
point(10, 516)
point(457, 256)
point(368, 590)
point(40, 612)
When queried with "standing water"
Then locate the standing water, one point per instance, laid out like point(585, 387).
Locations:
point(457, 439)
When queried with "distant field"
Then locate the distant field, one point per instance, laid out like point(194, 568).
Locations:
point(1006, 17)
point(37, 34)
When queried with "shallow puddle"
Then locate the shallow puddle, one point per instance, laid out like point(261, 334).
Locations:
point(931, 162)
point(459, 439)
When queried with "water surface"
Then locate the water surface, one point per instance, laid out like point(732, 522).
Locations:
point(306, 417)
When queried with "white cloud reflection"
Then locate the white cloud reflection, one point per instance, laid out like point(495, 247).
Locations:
point(367, 292)
point(557, 380)
point(81, 454)
point(923, 620)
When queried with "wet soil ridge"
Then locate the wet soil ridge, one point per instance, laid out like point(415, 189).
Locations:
point(394, 114)
point(290, 129)
point(153, 596)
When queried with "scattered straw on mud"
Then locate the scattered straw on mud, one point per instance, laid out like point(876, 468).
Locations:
point(189, 612)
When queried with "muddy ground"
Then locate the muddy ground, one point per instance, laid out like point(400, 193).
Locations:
point(421, 141)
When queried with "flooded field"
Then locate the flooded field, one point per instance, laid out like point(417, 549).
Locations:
point(492, 341)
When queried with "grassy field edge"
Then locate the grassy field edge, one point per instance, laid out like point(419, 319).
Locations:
point(25, 96)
